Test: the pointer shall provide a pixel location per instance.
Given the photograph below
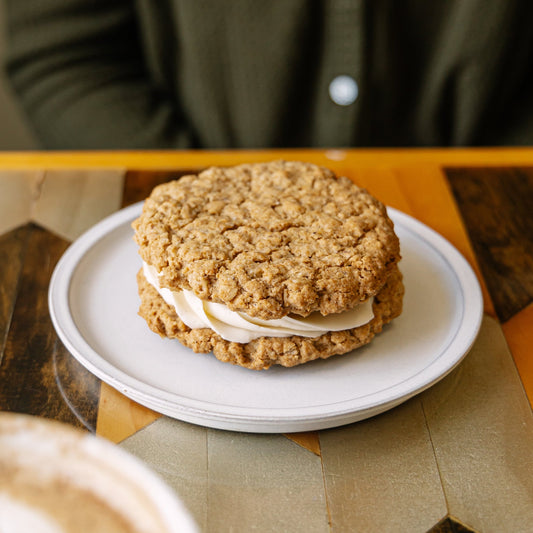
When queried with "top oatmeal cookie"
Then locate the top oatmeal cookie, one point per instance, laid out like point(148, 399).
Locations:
point(269, 239)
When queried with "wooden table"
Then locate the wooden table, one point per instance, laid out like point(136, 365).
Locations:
point(457, 457)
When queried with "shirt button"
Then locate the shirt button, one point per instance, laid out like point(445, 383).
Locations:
point(343, 90)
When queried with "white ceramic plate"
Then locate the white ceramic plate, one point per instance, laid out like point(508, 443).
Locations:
point(93, 303)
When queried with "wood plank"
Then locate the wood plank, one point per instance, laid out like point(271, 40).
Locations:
point(177, 451)
point(12, 249)
point(306, 439)
point(384, 184)
point(71, 201)
point(263, 483)
point(518, 331)
point(381, 473)
point(432, 202)
point(119, 417)
point(18, 191)
point(481, 427)
point(497, 206)
point(450, 525)
point(28, 372)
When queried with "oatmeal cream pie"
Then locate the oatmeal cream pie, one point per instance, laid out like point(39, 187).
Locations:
point(270, 263)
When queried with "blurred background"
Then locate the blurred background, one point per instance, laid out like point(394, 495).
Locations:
point(135, 75)
point(14, 134)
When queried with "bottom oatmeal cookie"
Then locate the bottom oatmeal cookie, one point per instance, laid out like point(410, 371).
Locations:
point(264, 352)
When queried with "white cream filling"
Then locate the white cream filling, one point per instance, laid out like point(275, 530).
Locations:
point(235, 326)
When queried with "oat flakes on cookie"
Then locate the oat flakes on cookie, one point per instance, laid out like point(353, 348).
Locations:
point(269, 263)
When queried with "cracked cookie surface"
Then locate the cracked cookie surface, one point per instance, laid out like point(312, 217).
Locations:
point(269, 239)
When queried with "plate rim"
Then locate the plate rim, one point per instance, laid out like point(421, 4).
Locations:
point(248, 418)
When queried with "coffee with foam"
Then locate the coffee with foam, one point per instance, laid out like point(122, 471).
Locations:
point(56, 479)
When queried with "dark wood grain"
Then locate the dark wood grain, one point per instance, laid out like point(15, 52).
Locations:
point(496, 205)
point(139, 183)
point(12, 247)
point(450, 525)
point(28, 373)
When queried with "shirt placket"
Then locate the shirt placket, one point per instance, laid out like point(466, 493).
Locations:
point(341, 83)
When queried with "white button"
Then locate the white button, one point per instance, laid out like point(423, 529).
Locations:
point(343, 90)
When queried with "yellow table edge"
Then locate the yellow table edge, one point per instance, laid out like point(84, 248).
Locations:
point(170, 159)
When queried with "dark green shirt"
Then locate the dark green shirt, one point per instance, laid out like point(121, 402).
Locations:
point(255, 73)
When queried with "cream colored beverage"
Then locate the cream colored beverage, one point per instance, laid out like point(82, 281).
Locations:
point(54, 479)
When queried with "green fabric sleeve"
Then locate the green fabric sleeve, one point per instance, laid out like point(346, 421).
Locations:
point(78, 69)
point(221, 74)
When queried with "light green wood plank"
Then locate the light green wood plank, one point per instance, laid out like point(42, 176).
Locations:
point(481, 426)
point(381, 474)
point(177, 451)
point(264, 483)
